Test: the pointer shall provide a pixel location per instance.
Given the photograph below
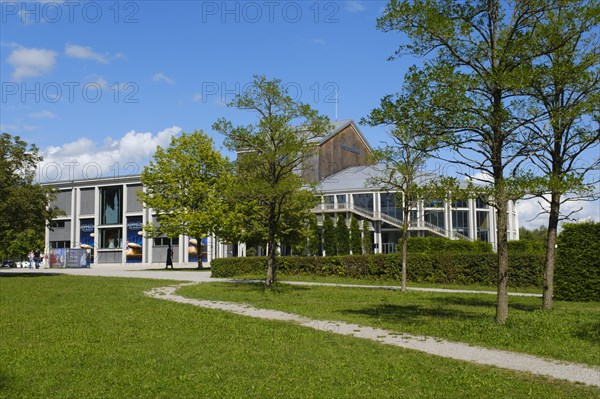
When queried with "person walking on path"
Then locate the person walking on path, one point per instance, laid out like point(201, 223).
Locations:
point(169, 257)
point(37, 259)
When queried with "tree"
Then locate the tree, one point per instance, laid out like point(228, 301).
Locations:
point(367, 243)
point(314, 240)
point(329, 244)
point(270, 154)
point(342, 236)
point(185, 185)
point(538, 234)
point(565, 90)
point(25, 208)
point(482, 56)
point(355, 237)
point(405, 158)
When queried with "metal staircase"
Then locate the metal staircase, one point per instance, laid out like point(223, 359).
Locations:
point(379, 216)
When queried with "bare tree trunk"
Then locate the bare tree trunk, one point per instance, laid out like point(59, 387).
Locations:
point(551, 252)
point(502, 299)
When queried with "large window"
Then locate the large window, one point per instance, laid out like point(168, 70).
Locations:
point(460, 222)
point(460, 204)
point(111, 238)
point(60, 244)
point(111, 205)
point(364, 201)
point(479, 203)
point(389, 205)
point(483, 226)
point(434, 203)
point(341, 198)
point(165, 241)
point(436, 218)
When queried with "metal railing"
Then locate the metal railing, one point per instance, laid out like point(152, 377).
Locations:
point(415, 225)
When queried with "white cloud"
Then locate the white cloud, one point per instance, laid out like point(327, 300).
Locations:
point(530, 217)
point(318, 41)
point(15, 129)
point(355, 6)
point(84, 53)
point(161, 77)
point(31, 62)
point(42, 115)
point(86, 158)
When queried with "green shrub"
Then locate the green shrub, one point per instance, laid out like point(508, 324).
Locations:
point(441, 244)
point(577, 273)
point(526, 246)
point(230, 267)
point(439, 268)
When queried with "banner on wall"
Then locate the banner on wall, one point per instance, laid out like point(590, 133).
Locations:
point(86, 236)
point(135, 239)
point(197, 248)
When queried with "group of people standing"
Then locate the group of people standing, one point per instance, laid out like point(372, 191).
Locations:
point(35, 259)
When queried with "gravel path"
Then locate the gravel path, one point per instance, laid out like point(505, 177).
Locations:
point(455, 350)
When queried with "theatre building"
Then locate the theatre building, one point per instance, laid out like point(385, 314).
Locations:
point(104, 217)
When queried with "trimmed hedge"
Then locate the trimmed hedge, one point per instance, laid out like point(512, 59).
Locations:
point(441, 244)
point(577, 273)
point(526, 246)
point(439, 268)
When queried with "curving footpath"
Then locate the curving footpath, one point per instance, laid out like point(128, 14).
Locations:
point(434, 346)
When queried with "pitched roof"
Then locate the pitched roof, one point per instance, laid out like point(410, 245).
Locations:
point(340, 125)
point(359, 178)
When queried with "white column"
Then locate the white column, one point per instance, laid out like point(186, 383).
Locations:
point(97, 221)
point(72, 234)
point(377, 237)
point(472, 220)
point(75, 218)
point(124, 225)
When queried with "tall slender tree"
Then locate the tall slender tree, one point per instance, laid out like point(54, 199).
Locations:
point(405, 158)
point(270, 153)
point(329, 244)
point(565, 89)
point(342, 235)
point(482, 51)
point(355, 237)
point(367, 242)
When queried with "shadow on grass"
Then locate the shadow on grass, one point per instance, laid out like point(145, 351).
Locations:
point(589, 332)
point(412, 313)
point(177, 269)
point(259, 286)
point(481, 302)
point(27, 274)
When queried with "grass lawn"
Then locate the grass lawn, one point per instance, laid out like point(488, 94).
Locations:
point(570, 332)
point(93, 337)
point(365, 281)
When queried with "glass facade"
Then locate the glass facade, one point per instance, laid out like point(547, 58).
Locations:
point(460, 204)
point(436, 218)
point(389, 205)
point(460, 222)
point(111, 211)
point(111, 238)
point(364, 201)
point(434, 203)
point(483, 225)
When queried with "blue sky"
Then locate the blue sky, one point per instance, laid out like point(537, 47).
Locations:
point(98, 85)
